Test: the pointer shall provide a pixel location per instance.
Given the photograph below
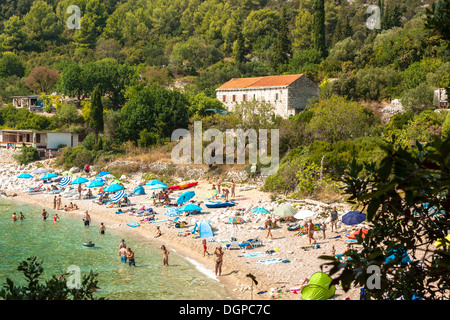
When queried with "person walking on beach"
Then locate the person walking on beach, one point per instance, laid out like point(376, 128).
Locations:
point(205, 249)
point(219, 260)
point(269, 226)
point(123, 254)
point(334, 219)
point(87, 219)
point(165, 255)
point(310, 230)
point(102, 228)
point(130, 257)
point(55, 200)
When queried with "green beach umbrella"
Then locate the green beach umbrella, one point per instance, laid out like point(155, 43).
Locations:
point(284, 211)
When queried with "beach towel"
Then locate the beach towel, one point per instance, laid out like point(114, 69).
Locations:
point(255, 254)
point(270, 261)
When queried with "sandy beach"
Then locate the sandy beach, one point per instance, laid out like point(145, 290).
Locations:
point(275, 280)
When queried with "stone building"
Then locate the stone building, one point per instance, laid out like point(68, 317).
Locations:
point(288, 94)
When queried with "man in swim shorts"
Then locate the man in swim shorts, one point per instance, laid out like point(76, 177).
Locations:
point(123, 254)
point(87, 218)
point(130, 256)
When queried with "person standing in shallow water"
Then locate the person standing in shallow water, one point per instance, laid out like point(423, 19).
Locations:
point(219, 260)
point(165, 255)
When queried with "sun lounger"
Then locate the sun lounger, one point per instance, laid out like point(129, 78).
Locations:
point(37, 189)
point(232, 245)
point(255, 242)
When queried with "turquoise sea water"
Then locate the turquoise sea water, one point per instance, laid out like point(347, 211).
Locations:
point(59, 245)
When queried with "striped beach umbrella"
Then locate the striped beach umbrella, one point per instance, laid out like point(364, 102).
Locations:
point(118, 195)
point(171, 212)
point(65, 181)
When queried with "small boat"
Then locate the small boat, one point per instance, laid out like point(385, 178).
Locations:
point(183, 186)
point(214, 204)
point(88, 244)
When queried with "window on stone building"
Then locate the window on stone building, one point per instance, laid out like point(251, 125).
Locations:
point(224, 98)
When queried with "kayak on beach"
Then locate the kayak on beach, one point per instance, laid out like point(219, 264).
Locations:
point(183, 186)
point(214, 204)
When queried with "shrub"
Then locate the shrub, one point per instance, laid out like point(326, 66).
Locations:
point(27, 155)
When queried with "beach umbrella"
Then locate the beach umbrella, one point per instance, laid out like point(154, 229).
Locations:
point(190, 207)
point(171, 212)
point(118, 196)
point(260, 210)
point(157, 186)
point(41, 170)
point(103, 173)
point(96, 183)
point(114, 187)
point(303, 214)
point(65, 181)
point(58, 179)
point(353, 217)
point(79, 180)
point(115, 181)
point(284, 211)
point(235, 220)
point(67, 173)
point(210, 194)
point(186, 196)
point(153, 182)
point(49, 176)
point(25, 176)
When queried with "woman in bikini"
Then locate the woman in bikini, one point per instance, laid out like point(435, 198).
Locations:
point(219, 260)
point(165, 255)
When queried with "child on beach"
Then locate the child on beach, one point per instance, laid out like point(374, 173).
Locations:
point(165, 255)
point(158, 232)
point(323, 227)
point(55, 217)
point(205, 250)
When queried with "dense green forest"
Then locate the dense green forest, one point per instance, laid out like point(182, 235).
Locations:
point(135, 54)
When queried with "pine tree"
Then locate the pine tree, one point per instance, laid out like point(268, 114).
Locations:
point(96, 113)
point(319, 27)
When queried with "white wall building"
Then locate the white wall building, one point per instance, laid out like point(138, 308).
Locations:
point(288, 94)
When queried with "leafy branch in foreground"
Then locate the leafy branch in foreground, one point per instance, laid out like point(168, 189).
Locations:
point(55, 288)
point(407, 201)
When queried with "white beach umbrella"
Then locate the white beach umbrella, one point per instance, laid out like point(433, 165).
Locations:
point(303, 214)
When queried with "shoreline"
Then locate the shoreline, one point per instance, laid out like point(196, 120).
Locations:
point(275, 280)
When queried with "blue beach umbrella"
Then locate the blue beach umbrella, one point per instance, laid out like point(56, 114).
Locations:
point(191, 207)
point(103, 173)
point(353, 217)
point(114, 187)
point(96, 183)
point(188, 195)
point(49, 176)
point(171, 212)
point(80, 180)
point(157, 186)
point(119, 195)
point(153, 182)
point(260, 210)
point(25, 176)
point(65, 181)
point(41, 170)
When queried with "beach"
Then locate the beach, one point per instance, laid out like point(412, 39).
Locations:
point(280, 264)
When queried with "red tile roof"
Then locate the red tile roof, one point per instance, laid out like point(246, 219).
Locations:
point(269, 81)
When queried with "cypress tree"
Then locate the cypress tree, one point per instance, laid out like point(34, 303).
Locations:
point(319, 27)
point(96, 113)
point(283, 43)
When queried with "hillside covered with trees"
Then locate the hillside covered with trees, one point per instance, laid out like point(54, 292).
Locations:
point(135, 55)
